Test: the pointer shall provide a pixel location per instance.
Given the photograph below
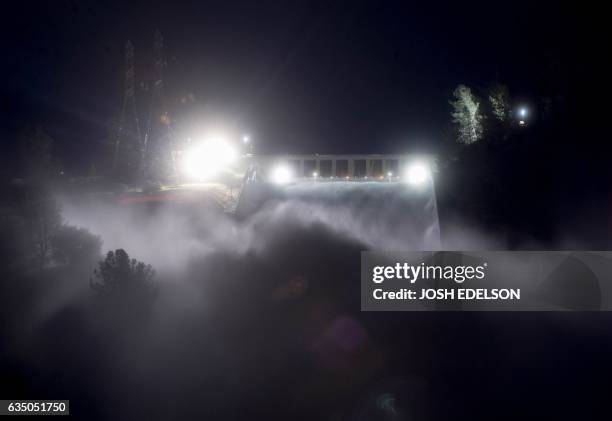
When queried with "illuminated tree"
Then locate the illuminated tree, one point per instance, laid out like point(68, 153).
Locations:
point(467, 115)
point(499, 98)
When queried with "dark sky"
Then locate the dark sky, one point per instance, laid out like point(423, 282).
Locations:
point(343, 76)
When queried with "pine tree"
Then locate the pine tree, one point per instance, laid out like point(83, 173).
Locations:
point(467, 115)
point(118, 276)
point(500, 102)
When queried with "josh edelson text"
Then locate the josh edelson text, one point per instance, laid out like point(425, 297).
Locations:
point(427, 276)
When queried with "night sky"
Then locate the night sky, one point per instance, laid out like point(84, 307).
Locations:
point(300, 76)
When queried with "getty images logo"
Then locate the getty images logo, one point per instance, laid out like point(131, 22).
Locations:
point(412, 273)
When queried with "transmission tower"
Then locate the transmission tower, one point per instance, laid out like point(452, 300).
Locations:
point(158, 155)
point(128, 137)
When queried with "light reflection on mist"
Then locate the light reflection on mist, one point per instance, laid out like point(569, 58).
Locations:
point(168, 235)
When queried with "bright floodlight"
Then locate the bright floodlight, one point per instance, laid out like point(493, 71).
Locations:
point(208, 158)
point(417, 173)
point(281, 174)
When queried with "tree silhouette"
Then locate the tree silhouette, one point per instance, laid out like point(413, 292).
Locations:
point(120, 277)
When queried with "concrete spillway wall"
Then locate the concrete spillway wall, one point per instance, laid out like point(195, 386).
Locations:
point(372, 166)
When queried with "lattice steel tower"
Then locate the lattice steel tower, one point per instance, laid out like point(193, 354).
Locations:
point(129, 148)
point(158, 151)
